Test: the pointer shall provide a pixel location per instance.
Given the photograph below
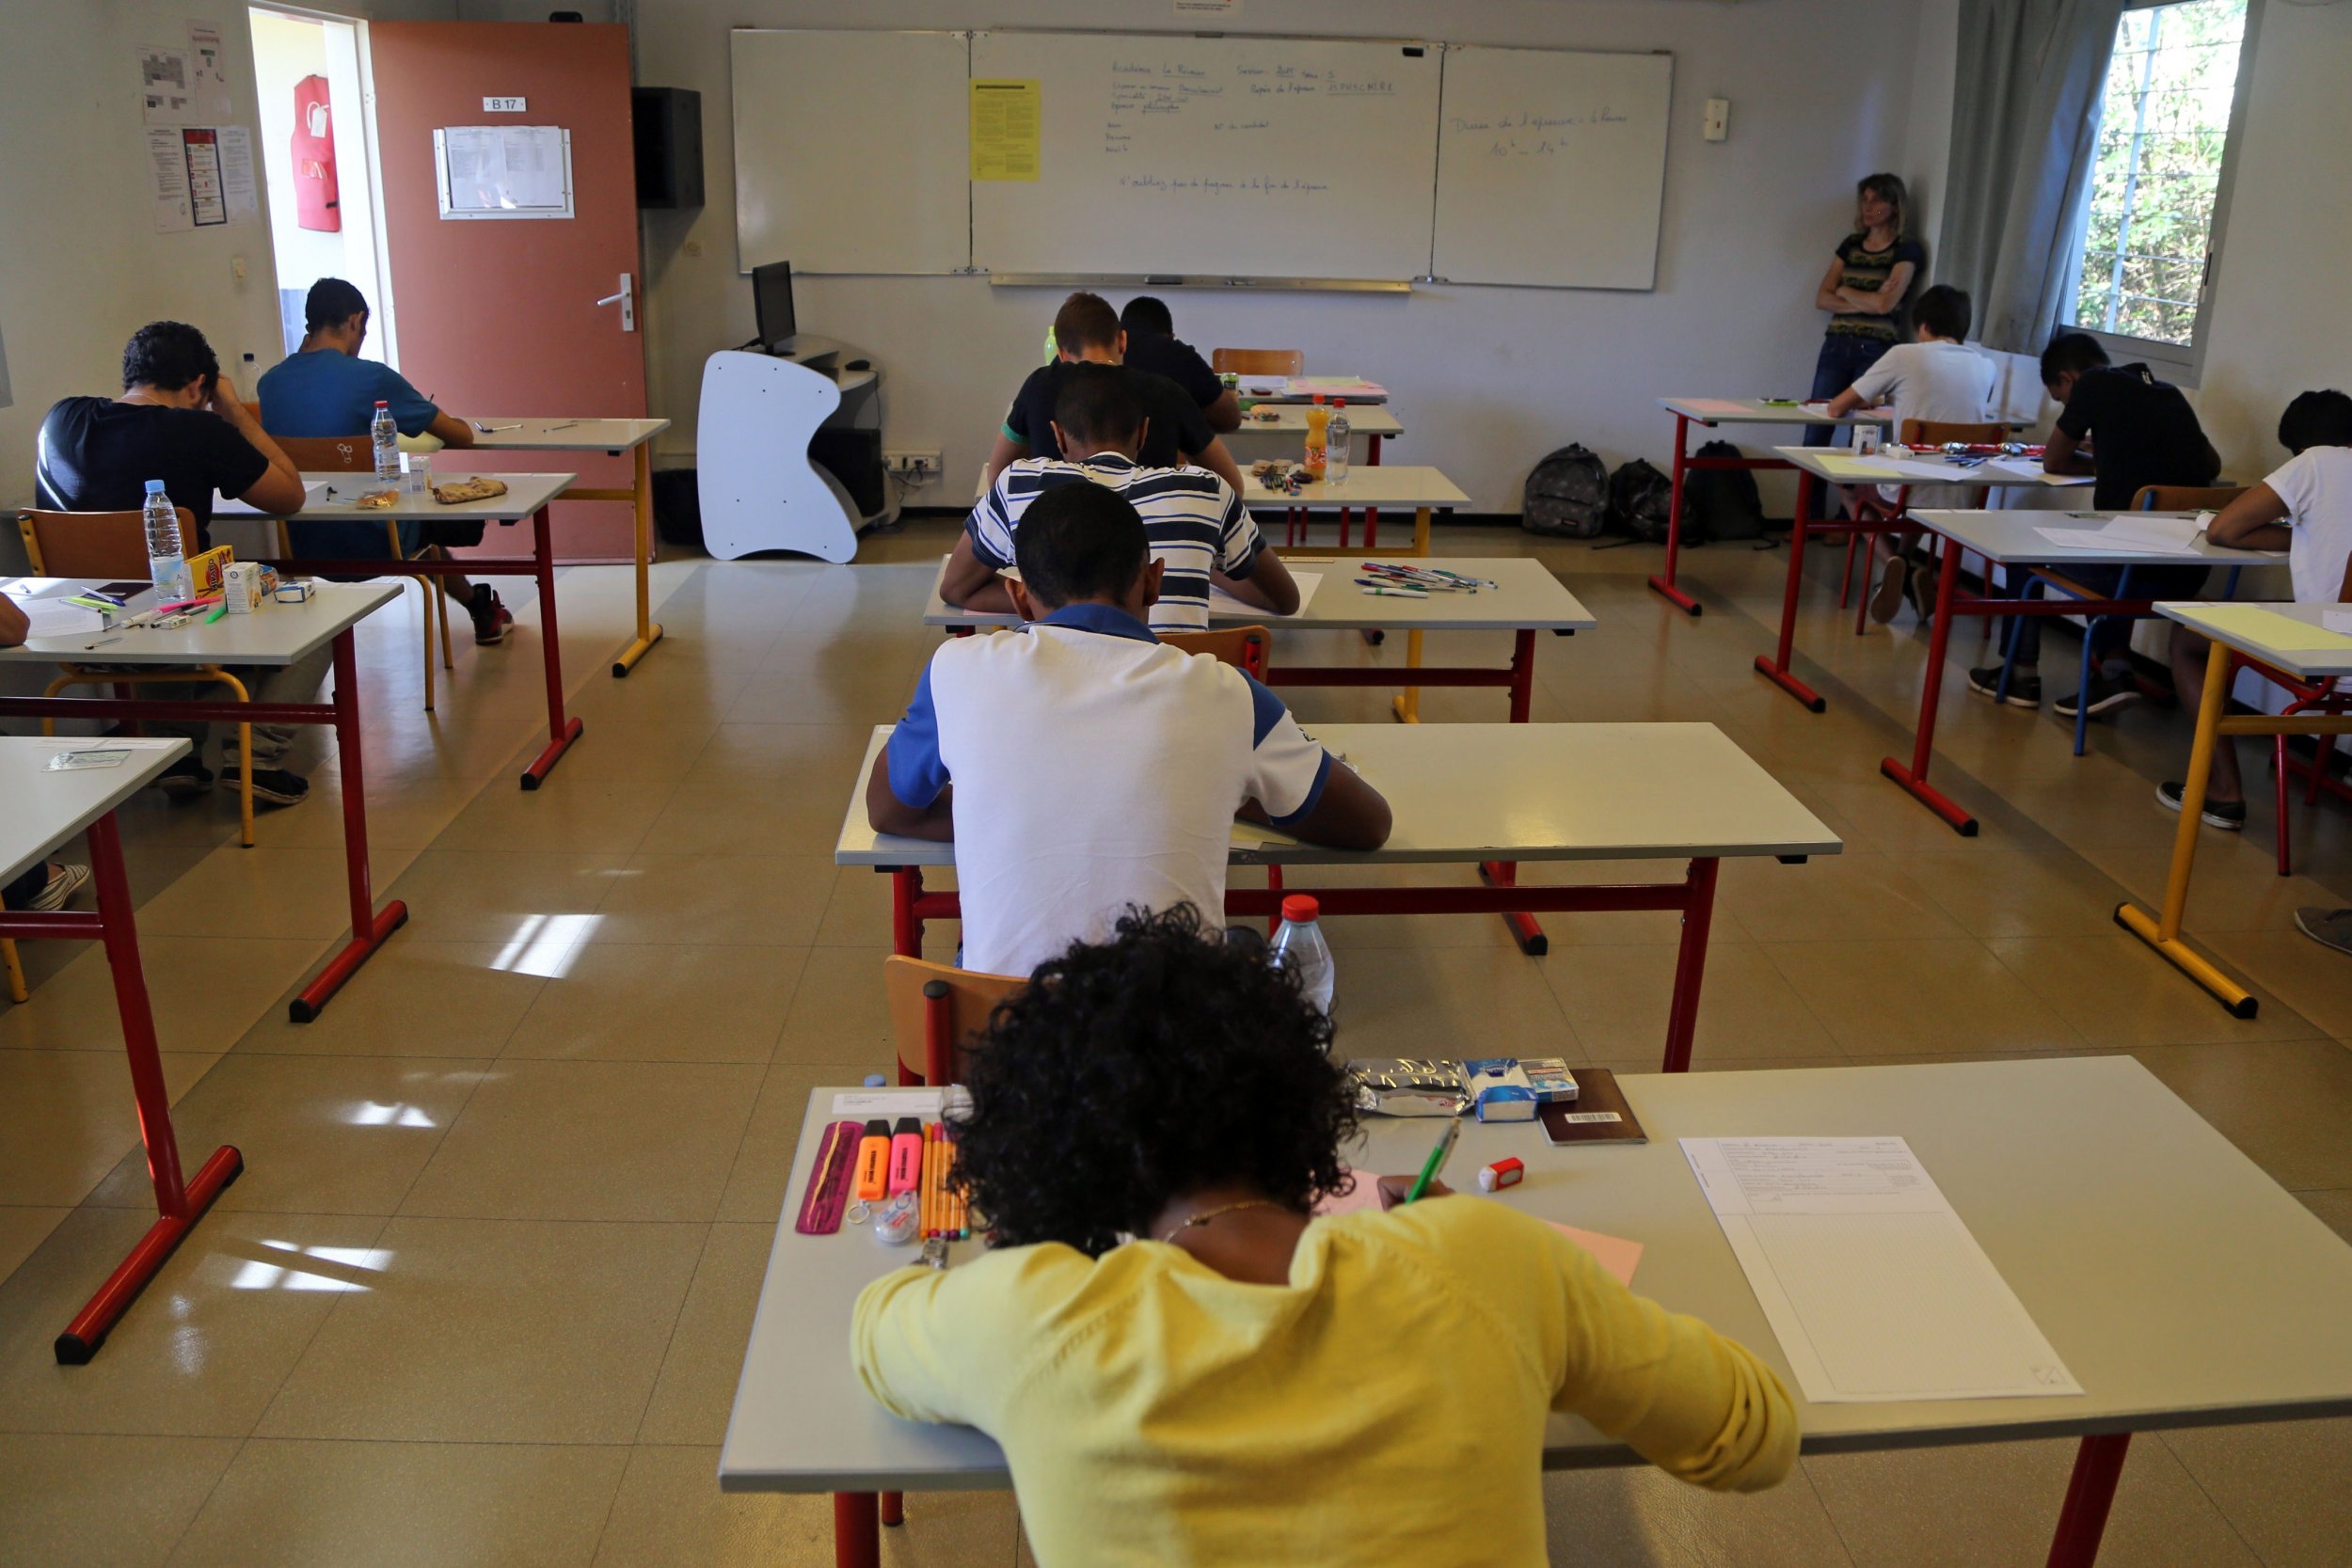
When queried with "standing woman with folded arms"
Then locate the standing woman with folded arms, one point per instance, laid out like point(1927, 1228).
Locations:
point(1864, 290)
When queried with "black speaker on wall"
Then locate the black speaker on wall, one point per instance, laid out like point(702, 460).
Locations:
point(669, 125)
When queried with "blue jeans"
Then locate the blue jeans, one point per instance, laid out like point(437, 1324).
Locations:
point(1844, 356)
point(2111, 635)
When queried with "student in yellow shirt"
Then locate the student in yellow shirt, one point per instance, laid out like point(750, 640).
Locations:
point(1184, 1366)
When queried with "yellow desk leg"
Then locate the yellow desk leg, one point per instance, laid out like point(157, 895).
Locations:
point(15, 971)
point(2164, 934)
point(647, 632)
point(1405, 705)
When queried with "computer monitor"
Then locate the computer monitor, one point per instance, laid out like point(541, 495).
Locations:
point(771, 299)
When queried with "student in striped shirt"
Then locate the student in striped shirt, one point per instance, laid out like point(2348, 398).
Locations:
point(1198, 527)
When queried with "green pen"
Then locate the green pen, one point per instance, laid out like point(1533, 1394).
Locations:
point(215, 616)
point(1436, 1162)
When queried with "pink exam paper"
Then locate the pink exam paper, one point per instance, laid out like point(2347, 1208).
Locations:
point(1714, 406)
point(1615, 1254)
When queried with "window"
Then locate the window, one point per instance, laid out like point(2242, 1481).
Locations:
point(2150, 211)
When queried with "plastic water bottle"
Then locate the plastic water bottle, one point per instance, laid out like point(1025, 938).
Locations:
point(166, 566)
point(385, 436)
point(1335, 453)
point(1299, 946)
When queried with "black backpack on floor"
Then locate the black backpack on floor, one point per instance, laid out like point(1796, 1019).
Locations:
point(1640, 500)
point(1721, 503)
point(1566, 495)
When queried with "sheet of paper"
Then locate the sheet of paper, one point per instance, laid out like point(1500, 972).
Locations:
point(167, 84)
point(314, 493)
point(1007, 119)
point(2102, 539)
point(2269, 628)
point(1857, 467)
point(867, 1103)
point(1729, 408)
point(1614, 1254)
point(1872, 1284)
point(236, 171)
point(506, 169)
point(208, 202)
point(1222, 603)
point(50, 618)
point(2336, 620)
point(167, 181)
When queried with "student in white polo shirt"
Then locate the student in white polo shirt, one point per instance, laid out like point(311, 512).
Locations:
point(1198, 529)
point(1082, 767)
point(2305, 509)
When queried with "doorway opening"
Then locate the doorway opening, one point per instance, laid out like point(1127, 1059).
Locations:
point(318, 157)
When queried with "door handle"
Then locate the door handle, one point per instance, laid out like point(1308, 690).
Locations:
point(627, 300)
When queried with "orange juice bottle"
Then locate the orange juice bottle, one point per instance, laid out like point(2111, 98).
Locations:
point(1318, 426)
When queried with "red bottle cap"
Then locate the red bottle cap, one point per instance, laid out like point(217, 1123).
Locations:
point(1300, 906)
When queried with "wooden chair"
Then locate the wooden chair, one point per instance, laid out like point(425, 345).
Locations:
point(356, 454)
point(934, 1009)
point(1245, 648)
point(1868, 504)
point(113, 544)
point(1258, 361)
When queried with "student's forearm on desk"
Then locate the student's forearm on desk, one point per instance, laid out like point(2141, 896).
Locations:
point(2063, 454)
point(2254, 520)
point(886, 813)
point(1269, 585)
point(450, 432)
point(14, 622)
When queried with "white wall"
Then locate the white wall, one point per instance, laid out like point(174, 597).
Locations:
point(1486, 379)
point(2281, 316)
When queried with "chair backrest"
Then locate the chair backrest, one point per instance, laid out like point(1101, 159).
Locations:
point(1248, 648)
point(935, 1009)
point(1258, 361)
point(2185, 497)
point(331, 455)
point(95, 544)
point(1936, 433)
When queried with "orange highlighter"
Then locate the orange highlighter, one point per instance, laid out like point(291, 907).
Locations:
point(873, 1162)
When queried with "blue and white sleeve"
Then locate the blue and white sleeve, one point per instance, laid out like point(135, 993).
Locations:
point(1287, 768)
point(917, 771)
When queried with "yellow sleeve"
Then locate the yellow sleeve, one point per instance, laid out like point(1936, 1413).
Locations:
point(1695, 1404)
point(935, 1345)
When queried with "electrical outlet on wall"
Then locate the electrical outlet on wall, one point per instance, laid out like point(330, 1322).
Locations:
point(913, 464)
point(1718, 122)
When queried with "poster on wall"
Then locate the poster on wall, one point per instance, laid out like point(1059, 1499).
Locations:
point(167, 180)
point(207, 204)
point(167, 84)
point(208, 71)
point(237, 182)
point(200, 176)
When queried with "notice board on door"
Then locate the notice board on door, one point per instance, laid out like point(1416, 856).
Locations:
point(503, 172)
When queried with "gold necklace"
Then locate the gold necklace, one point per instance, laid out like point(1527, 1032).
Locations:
point(1206, 1215)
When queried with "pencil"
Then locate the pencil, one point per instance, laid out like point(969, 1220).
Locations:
point(934, 1161)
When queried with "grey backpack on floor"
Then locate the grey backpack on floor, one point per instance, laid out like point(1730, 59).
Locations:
point(1566, 495)
point(1639, 502)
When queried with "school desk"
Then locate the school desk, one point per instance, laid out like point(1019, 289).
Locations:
point(1710, 413)
point(2249, 633)
point(46, 809)
point(272, 637)
point(1421, 487)
point(1525, 600)
point(1817, 465)
point(1285, 434)
point(527, 496)
point(2180, 1285)
point(1489, 796)
point(611, 437)
point(2013, 539)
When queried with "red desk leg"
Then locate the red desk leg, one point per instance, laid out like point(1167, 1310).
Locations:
point(1522, 676)
point(369, 927)
point(1698, 915)
point(1915, 778)
point(561, 732)
point(1664, 581)
point(179, 1206)
point(1524, 928)
point(2098, 1465)
point(893, 1508)
point(856, 1538)
point(906, 927)
point(1776, 667)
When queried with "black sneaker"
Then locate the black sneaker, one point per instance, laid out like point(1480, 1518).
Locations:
point(184, 779)
point(2228, 816)
point(2104, 694)
point(1888, 597)
point(1919, 588)
point(2329, 927)
point(2024, 691)
point(491, 618)
point(273, 785)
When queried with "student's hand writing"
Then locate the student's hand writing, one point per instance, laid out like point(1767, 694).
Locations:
point(1393, 1188)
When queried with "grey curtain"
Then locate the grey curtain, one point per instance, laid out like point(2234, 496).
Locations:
point(2025, 106)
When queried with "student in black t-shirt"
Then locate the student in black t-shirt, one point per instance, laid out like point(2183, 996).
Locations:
point(1085, 330)
point(1153, 345)
point(2129, 429)
point(1868, 278)
point(180, 420)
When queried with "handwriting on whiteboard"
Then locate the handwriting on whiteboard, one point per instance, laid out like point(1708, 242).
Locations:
point(1256, 184)
point(1527, 135)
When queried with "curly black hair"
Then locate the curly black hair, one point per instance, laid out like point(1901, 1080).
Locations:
point(1129, 1072)
point(167, 354)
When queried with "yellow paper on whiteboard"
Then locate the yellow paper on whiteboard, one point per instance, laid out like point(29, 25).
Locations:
point(1007, 119)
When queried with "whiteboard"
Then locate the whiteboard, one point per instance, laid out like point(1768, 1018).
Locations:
point(1552, 167)
point(1262, 157)
point(849, 151)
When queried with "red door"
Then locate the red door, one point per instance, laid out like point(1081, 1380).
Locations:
point(499, 316)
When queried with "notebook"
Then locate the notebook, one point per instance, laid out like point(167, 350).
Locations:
point(1597, 1115)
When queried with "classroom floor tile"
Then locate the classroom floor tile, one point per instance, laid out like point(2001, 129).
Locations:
point(294, 1504)
point(494, 1331)
point(591, 1141)
point(103, 1501)
point(577, 1076)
